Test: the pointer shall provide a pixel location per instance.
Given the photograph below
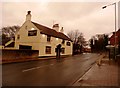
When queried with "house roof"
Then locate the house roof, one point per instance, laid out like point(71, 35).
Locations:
point(117, 33)
point(51, 32)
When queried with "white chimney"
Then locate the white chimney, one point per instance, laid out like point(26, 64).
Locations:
point(62, 30)
point(28, 16)
point(56, 27)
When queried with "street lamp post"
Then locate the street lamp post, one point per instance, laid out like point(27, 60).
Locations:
point(115, 23)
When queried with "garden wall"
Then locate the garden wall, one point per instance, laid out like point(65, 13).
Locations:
point(14, 55)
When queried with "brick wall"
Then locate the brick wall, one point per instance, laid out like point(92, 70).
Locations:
point(18, 55)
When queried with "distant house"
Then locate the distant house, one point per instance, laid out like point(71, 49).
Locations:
point(35, 36)
point(112, 38)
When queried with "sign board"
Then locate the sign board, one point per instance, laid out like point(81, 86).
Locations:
point(32, 33)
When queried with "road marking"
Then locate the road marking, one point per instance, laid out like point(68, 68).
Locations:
point(36, 68)
point(87, 57)
point(51, 64)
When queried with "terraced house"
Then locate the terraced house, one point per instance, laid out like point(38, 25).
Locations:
point(35, 36)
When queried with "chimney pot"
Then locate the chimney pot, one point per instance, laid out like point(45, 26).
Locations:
point(29, 12)
point(56, 27)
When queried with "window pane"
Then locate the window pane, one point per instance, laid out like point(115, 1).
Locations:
point(48, 38)
point(63, 41)
point(48, 50)
point(18, 37)
point(63, 50)
point(68, 43)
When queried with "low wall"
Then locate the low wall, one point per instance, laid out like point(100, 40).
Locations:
point(14, 55)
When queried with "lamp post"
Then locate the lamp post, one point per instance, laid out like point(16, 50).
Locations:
point(115, 23)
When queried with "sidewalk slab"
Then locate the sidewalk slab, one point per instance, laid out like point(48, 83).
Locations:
point(104, 75)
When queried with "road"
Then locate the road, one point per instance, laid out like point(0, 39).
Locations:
point(47, 72)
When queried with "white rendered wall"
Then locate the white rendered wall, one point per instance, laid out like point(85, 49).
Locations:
point(39, 42)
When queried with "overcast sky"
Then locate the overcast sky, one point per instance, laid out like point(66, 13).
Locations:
point(87, 17)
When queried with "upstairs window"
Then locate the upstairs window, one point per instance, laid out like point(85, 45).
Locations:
point(48, 50)
point(68, 43)
point(18, 37)
point(48, 38)
point(63, 41)
point(32, 33)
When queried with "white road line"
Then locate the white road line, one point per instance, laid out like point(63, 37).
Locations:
point(87, 57)
point(51, 64)
point(36, 68)
point(29, 69)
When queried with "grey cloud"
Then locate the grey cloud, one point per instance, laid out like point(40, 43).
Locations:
point(72, 10)
point(71, 15)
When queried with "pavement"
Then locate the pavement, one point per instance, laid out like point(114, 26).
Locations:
point(105, 74)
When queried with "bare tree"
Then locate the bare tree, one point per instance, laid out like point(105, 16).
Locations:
point(99, 42)
point(78, 41)
point(81, 40)
point(8, 33)
point(77, 37)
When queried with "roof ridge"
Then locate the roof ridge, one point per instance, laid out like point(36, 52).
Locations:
point(41, 25)
point(51, 32)
point(46, 27)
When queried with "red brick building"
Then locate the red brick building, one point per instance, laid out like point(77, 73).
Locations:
point(112, 38)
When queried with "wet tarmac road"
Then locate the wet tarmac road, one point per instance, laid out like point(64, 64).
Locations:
point(52, 72)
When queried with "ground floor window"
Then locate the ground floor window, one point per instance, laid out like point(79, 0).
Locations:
point(63, 50)
point(48, 50)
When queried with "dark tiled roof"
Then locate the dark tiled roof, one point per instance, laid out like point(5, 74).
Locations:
point(51, 32)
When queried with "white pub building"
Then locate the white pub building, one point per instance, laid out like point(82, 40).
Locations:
point(35, 36)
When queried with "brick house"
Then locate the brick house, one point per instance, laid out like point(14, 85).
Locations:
point(112, 38)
